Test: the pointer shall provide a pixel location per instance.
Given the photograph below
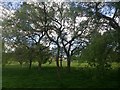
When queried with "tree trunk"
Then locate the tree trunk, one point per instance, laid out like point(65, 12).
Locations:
point(61, 61)
point(101, 69)
point(30, 64)
point(21, 63)
point(39, 65)
point(57, 61)
point(57, 58)
point(68, 63)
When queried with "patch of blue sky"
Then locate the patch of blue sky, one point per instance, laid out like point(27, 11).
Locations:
point(94, 0)
point(11, 4)
point(108, 11)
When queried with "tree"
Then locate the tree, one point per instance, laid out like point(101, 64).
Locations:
point(66, 25)
point(98, 51)
point(64, 31)
point(21, 54)
point(22, 34)
point(42, 54)
point(106, 21)
point(110, 18)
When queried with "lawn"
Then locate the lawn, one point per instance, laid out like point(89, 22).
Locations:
point(80, 77)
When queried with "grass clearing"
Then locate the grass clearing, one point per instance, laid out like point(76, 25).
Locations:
point(80, 77)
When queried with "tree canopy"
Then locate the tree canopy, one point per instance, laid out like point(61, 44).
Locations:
point(79, 29)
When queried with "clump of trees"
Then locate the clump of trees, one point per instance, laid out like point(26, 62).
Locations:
point(75, 30)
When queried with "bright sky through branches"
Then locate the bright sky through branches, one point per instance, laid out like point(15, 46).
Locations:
point(15, 4)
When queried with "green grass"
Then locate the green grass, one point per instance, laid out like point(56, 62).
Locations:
point(80, 77)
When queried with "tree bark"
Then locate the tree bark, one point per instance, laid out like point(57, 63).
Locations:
point(30, 64)
point(21, 63)
point(39, 65)
point(57, 61)
point(57, 58)
point(69, 63)
point(61, 61)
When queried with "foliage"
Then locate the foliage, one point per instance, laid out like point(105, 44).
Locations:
point(71, 26)
point(96, 53)
point(38, 53)
point(42, 53)
point(7, 58)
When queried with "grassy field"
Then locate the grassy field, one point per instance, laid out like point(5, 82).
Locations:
point(80, 77)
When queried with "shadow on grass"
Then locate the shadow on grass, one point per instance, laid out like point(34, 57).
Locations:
point(48, 77)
